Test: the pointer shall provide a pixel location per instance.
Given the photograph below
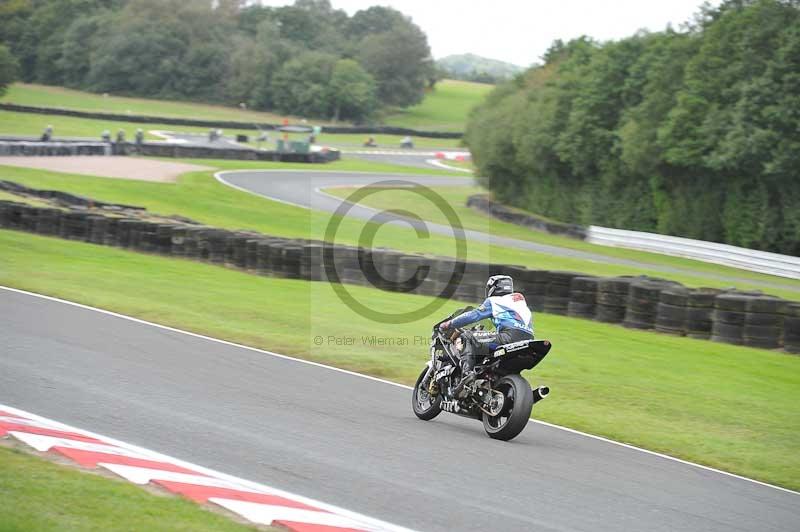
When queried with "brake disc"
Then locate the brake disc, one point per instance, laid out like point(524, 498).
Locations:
point(495, 405)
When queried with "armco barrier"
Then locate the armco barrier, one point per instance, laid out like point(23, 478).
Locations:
point(732, 317)
point(223, 124)
point(746, 259)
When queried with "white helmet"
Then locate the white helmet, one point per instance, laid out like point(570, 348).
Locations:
point(499, 285)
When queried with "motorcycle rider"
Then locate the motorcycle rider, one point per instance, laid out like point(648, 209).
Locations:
point(512, 319)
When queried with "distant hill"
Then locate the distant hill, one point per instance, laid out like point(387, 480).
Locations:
point(473, 67)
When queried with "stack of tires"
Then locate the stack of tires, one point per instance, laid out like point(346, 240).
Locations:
point(178, 241)
point(583, 297)
point(236, 250)
point(49, 222)
point(251, 255)
point(728, 320)
point(700, 312)
point(98, 226)
point(292, 256)
point(386, 264)
point(216, 240)
point(28, 217)
point(763, 322)
point(11, 214)
point(266, 251)
point(75, 226)
point(533, 285)
point(642, 306)
point(124, 226)
point(6, 213)
point(411, 271)
point(672, 310)
point(612, 299)
point(557, 296)
point(446, 275)
point(311, 263)
point(473, 283)
point(147, 237)
point(791, 328)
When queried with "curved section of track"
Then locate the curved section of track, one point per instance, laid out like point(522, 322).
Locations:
point(304, 189)
point(349, 440)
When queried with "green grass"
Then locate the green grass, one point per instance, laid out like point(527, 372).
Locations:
point(199, 196)
point(38, 495)
point(48, 96)
point(444, 109)
point(729, 407)
point(26, 124)
point(12, 123)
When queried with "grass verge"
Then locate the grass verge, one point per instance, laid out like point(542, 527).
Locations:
point(38, 495)
point(199, 196)
point(50, 96)
point(729, 407)
point(445, 108)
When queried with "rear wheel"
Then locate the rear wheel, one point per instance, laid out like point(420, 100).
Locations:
point(516, 411)
point(425, 406)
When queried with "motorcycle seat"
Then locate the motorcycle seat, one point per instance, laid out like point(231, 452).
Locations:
point(540, 347)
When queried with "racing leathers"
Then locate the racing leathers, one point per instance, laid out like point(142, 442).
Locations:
point(512, 319)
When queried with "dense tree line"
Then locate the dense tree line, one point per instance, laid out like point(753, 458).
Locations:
point(693, 133)
point(307, 59)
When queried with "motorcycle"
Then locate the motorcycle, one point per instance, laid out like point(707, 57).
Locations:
point(499, 396)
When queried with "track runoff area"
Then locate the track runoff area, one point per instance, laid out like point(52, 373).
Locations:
point(286, 426)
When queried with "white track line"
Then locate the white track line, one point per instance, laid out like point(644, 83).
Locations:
point(361, 375)
point(213, 478)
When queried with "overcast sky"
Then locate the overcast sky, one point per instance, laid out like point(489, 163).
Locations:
point(519, 31)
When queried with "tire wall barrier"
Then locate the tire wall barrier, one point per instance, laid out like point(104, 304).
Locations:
point(740, 318)
point(222, 124)
point(162, 149)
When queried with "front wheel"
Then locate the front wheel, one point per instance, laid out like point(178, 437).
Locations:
point(516, 410)
point(425, 406)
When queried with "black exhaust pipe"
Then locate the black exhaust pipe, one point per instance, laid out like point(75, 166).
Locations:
point(540, 393)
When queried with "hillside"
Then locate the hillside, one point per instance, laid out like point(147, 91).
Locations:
point(473, 67)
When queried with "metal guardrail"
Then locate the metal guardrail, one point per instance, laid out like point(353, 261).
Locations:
point(743, 258)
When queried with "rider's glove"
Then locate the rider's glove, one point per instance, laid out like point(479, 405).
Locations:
point(444, 325)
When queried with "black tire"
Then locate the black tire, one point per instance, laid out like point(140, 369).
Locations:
point(584, 284)
point(610, 299)
point(516, 411)
point(677, 297)
point(762, 319)
point(577, 296)
point(435, 408)
point(729, 316)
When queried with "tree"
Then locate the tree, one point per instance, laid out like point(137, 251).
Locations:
point(9, 69)
point(300, 86)
point(400, 62)
point(374, 20)
point(694, 133)
point(352, 92)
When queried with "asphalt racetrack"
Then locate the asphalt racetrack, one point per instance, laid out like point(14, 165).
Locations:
point(349, 440)
point(303, 188)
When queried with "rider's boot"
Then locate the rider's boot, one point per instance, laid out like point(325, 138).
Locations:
point(467, 376)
